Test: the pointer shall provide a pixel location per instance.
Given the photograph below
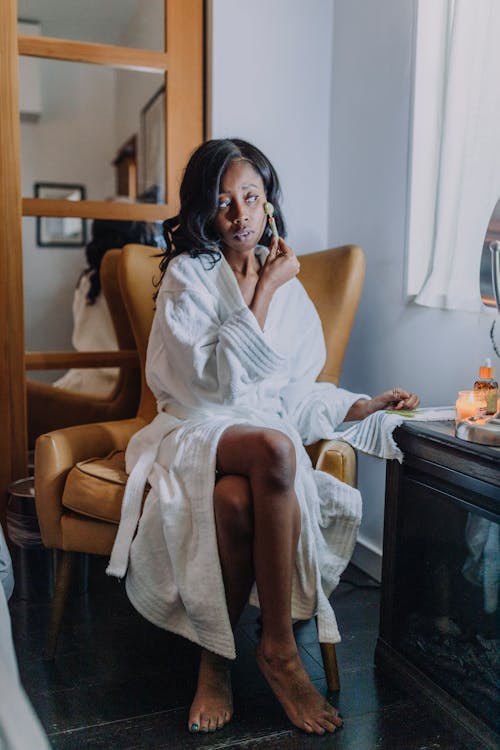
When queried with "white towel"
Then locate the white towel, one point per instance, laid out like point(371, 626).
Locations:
point(374, 434)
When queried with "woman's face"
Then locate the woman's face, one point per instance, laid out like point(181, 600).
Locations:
point(240, 219)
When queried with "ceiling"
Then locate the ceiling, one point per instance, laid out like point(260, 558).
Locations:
point(102, 21)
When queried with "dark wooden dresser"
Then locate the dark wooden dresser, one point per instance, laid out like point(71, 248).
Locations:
point(439, 618)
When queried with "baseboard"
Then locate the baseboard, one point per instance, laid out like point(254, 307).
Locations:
point(368, 558)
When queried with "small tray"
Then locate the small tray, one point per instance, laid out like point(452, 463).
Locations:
point(480, 430)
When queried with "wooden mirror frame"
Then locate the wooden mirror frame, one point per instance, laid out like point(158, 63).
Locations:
point(183, 64)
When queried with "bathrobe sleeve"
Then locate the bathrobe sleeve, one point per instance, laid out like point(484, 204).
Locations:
point(199, 355)
point(316, 409)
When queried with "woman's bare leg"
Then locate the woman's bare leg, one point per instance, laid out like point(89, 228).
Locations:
point(212, 705)
point(234, 523)
point(267, 459)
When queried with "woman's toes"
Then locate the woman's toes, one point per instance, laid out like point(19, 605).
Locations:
point(318, 728)
point(223, 720)
point(333, 719)
point(328, 724)
point(313, 727)
point(204, 723)
point(336, 718)
point(194, 727)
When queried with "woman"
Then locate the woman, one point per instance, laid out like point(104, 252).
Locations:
point(235, 507)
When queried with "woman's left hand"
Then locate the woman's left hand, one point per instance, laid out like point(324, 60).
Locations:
point(396, 398)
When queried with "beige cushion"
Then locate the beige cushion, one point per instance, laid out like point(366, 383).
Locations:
point(95, 487)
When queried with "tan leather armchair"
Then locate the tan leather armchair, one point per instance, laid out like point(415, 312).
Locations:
point(50, 408)
point(78, 501)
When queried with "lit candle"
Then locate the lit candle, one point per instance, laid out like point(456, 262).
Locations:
point(469, 404)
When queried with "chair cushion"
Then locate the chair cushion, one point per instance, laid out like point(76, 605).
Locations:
point(95, 487)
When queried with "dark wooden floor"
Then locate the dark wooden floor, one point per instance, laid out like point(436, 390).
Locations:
point(120, 683)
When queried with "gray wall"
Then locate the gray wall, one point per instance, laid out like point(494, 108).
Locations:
point(270, 82)
point(432, 352)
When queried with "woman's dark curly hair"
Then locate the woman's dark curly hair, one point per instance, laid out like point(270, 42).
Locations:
point(193, 230)
point(107, 234)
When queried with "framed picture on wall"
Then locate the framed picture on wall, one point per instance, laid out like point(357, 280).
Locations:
point(152, 131)
point(60, 231)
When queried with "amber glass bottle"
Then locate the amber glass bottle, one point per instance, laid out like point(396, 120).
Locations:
point(487, 384)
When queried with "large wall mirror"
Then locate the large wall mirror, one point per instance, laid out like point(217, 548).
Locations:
point(90, 74)
point(84, 124)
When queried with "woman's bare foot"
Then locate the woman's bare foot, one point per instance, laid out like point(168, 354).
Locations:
point(212, 706)
point(302, 702)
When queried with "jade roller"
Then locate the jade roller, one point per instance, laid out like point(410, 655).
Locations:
point(269, 211)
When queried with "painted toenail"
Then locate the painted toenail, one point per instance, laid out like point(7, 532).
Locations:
point(194, 728)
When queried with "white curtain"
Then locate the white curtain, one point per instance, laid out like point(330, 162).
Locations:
point(467, 178)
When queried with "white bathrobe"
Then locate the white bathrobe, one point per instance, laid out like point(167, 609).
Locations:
point(210, 366)
point(93, 331)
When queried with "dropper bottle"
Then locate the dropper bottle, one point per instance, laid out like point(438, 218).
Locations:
point(487, 384)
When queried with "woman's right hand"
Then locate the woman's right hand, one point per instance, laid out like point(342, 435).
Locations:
point(280, 266)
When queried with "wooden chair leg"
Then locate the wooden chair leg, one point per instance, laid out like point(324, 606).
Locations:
point(331, 668)
point(59, 600)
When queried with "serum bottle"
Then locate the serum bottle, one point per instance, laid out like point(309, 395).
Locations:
point(488, 386)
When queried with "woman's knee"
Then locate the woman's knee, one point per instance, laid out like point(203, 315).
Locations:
point(233, 505)
point(275, 460)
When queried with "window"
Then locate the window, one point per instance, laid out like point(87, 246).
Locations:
point(455, 150)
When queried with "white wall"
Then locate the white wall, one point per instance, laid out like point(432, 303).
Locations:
point(270, 84)
point(432, 352)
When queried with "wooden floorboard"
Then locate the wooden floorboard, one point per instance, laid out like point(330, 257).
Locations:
point(119, 683)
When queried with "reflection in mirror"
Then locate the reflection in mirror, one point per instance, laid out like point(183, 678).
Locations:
point(88, 113)
point(145, 107)
point(76, 121)
point(490, 262)
point(50, 278)
point(127, 23)
point(57, 231)
point(489, 273)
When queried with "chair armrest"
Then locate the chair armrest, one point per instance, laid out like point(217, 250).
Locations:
point(55, 455)
point(51, 409)
point(336, 457)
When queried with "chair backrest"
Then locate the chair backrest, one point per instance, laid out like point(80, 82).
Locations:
point(334, 280)
point(128, 386)
point(138, 272)
point(110, 285)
